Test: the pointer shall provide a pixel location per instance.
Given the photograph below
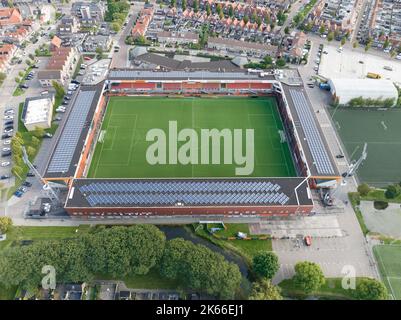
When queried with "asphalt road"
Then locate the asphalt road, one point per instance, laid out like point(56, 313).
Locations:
point(120, 59)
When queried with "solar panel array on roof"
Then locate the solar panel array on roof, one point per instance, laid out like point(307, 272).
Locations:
point(170, 193)
point(143, 74)
point(64, 152)
point(319, 153)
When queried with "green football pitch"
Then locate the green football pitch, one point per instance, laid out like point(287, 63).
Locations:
point(121, 148)
point(381, 130)
point(389, 261)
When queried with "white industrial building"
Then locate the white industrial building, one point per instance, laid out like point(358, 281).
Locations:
point(38, 112)
point(344, 90)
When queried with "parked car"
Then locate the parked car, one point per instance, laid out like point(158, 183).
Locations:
point(18, 193)
point(7, 142)
point(67, 98)
point(4, 177)
point(75, 81)
point(8, 130)
point(6, 154)
point(47, 135)
point(23, 189)
point(65, 102)
point(6, 135)
point(8, 111)
point(30, 174)
point(339, 156)
point(5, 163)
point(8, 122)
point(24, 86)
point(27, 184)
point(5, 149)
point(8, 117)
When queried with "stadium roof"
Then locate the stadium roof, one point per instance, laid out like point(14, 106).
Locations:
point(347, 89)
point(314, 144)
point(67, 150)
point(132, 74)
point(120, 193)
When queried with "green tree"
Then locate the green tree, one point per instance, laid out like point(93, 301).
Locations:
point(308, 276)
point(35, 141)
point(363, 189)
point(392, 191)
point(330, 36)
point(38, 132)
point(246, 19)
point(196, 5)
point(99, 53)
point(60, 92)
point(265, 290)
point(199, 268)
point(184, 4)
point(31, 151)
point(280, 62)
point(173, 3)
point(355, 45)
point(265, 264)
point(322, 29)
point(287, 30)
point(343, 40)
point(230, 11)
point(208, 10)
point(5, 224)
point(371, 289)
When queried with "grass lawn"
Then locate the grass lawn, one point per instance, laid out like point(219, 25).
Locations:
point(152, 280)
point(7, 293)
point(245, 248)
point(378, 195)
point(332, 290)
point(388, 258)
point(42, 233)
point(121, 149)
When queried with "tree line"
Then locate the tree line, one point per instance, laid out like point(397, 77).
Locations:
point(120, 252)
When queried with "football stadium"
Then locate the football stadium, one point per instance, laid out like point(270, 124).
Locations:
point(101, 153)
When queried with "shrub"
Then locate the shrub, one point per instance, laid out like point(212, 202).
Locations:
point(363, 189)
point(380, 205)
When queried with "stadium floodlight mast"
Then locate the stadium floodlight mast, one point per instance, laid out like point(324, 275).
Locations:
point(46, 187)
point(355, 166)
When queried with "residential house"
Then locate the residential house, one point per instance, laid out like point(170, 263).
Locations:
point(10, 17)
point(88, 13)
point(142, 23)
point(55, 43)
point(99, 41)
point(60, 66)
point(7, 51)
point(296, 45)
point(237, 46)
point(177, 37)
point(68, 25)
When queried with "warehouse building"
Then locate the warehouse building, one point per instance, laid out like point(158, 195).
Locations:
point(344, 90)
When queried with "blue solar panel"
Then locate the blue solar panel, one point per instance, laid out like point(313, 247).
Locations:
point(145, 193)
point(64, 152)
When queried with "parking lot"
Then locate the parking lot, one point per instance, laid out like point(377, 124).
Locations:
point(355, 64)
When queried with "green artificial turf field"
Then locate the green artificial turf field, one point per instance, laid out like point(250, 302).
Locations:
point(381, 130)
point(388, 258)
point(121, 148)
